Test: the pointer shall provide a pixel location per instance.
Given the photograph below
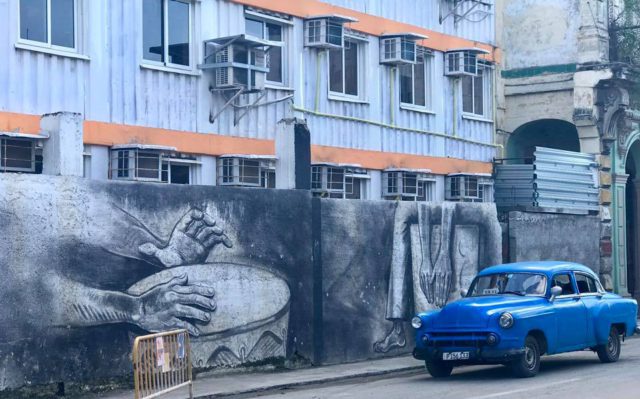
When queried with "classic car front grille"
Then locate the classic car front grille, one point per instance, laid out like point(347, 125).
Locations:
point(462, 339)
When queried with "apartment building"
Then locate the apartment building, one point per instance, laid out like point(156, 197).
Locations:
point(398, 96)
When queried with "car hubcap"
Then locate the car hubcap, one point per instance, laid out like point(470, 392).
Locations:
point(529, 357)
point(612, 346)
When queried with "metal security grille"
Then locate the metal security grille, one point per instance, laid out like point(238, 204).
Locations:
point(408, 186)
point(246, 172)
point(17, 155)
point(553, 178)
point(162, 364)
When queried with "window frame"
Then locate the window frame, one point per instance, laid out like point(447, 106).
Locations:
point(164, 157)
point(400, 195)
point(355, 174)
point(428, 58)
point(481, 185)
point(484, 73)
point(361, 70)
point(282, 44)
point(166, 65)
point(48, 45)
point(6, 169)
point(572, 281)
point(598, 291)
point(264, 165)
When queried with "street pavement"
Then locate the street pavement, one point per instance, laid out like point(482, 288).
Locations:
point(575, 375)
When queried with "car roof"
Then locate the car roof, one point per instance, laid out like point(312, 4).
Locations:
point(547, 267)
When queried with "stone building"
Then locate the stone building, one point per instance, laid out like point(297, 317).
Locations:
point(562, 90)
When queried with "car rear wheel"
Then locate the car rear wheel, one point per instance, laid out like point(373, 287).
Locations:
point(529, 364)
point(438, 368)
point(610, 352)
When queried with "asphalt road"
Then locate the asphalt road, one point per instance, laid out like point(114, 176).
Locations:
point(577, 375)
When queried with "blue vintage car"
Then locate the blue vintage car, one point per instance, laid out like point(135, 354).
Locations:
point(514, 313)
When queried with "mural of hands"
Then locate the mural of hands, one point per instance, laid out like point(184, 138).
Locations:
point(170, 305)
point(195, 235)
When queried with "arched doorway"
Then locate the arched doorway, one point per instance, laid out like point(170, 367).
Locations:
point(550, 133)
point(632, 216)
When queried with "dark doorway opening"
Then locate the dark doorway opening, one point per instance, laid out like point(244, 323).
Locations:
point(550, 133)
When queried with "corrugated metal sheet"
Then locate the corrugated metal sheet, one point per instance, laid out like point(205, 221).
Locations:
point(426, 14)
point(556, 179)
point(112, 86)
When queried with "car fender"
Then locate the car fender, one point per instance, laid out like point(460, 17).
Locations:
point(539, 318)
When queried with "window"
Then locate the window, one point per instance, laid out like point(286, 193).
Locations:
point(19, 155)
point(167, 32)
point(408, 186)
point(246, 172)
point(344, 64)
point(509, 283)
point(338, 182)
point(415, 82)
point(476, 93)
point(275, 55)
point(586, 284)
point(151, 165)
point(469, 188)
point(563, 281)
point(49, 22)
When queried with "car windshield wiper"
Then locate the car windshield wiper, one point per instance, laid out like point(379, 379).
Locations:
point(514, 292)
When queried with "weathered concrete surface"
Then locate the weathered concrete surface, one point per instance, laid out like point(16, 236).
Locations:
point(545, 236)
point(255, 276)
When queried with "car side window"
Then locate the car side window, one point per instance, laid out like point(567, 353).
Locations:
point(586, 284)
point(563, 281)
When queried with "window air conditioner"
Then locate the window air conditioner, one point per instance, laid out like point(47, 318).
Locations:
point(325, 31)
point(462, 62)
point(398, 49)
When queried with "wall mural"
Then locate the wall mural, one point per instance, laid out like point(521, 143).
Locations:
point(90, 266)
point(87, 266)
point(384, 262)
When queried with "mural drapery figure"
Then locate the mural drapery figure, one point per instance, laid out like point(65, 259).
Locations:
point(436, 250)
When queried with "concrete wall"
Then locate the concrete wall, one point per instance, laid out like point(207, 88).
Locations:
point(253, 275)
point(546, 236)
point(540, 32)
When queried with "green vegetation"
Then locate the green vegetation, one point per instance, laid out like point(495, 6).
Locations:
point(624, 31)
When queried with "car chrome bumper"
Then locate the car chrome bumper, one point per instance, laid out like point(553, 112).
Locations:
point(477, 355)
point(637, 331)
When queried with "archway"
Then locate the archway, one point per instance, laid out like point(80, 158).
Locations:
point(632, 216)
point(550, 133)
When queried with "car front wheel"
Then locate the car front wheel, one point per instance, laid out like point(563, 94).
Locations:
point(529, 364)
point(438, 368)
point(610, 352)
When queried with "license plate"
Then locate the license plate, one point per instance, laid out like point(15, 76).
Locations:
point(455, 356)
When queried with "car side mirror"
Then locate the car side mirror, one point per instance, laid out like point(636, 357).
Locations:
point(555, 291)
point(463, 293)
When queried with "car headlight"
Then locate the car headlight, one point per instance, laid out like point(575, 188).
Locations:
point(506, 320)
point(416, 322)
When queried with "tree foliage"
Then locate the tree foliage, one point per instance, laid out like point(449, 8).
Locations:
point(624, 32)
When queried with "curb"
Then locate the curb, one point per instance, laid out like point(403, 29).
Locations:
point(319, 381)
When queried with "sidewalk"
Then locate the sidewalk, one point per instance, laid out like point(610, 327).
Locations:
point(218, 386)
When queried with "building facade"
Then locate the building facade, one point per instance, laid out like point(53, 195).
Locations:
point(565, 88)
point(398, 97)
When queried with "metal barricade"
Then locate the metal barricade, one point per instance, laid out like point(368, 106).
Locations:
point(162, 364)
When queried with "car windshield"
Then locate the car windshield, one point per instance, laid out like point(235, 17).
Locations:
point(509, 283)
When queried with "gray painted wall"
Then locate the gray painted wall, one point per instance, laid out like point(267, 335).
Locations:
point(546, 236)
point(254, 275)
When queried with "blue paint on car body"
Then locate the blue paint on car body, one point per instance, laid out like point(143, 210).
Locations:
point(580, 317)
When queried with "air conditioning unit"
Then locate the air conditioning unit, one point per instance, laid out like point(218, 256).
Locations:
point(237, 62)
point(399, 48)
point(325, 31)
point(462, 62)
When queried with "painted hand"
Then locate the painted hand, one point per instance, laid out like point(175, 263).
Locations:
point(441, 284)
point(436, 283)
point(175, 304)
point(191, 241)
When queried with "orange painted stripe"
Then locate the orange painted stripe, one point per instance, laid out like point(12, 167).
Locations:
point(370, 24)
point(382, 160)
point(20, 123)
point(109, 134)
